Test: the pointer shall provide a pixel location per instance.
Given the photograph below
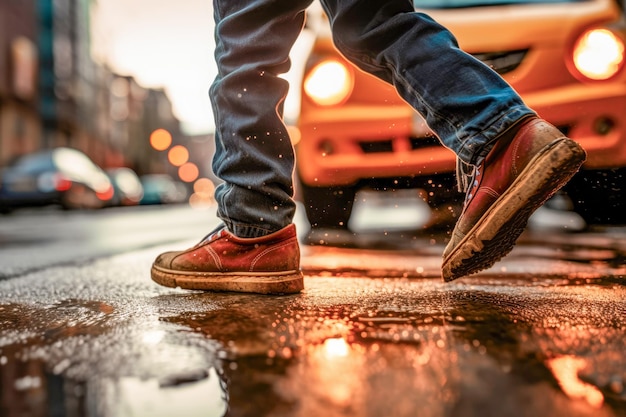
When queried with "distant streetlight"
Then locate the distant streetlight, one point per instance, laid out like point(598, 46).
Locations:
point(204, 186)
point(178, 155)
point(188, 172)
point(160, 139)
point(204, 193)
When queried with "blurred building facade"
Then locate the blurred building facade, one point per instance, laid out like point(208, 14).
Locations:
point(19, 119)
point(53, 94)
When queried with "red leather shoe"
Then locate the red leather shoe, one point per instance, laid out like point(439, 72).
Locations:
point(519, 174)
point(225, 262)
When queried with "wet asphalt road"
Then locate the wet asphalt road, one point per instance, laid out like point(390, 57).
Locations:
point(84, 332)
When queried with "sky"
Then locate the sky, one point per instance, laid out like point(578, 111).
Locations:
point(163, 44)
point(167, 44)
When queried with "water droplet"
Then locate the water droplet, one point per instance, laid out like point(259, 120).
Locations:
point(616, 385)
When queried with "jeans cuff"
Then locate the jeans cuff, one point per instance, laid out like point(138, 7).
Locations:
point(246, 230)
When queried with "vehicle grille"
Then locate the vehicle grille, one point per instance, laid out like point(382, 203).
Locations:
point(502, 62)
point(424, 142)
point(379, 146)
point(386, 146)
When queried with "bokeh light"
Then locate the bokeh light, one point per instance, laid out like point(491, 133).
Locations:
point(204, 186)
point(178, 156)
point(188, 172)
point(204, 193)
point(160, 139)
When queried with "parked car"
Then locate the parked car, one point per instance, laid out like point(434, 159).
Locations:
point(62, 176)
point(162, 189)
point(565, 58)
point(127, 186)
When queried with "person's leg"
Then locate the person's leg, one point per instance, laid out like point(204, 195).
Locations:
point(254, 155)
point(464, 102)
point(473, 111)
point(256, 250)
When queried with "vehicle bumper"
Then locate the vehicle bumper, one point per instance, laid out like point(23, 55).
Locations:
point(333, 141)
point(334, 146)
point(592, 115)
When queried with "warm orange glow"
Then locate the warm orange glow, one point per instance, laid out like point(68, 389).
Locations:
point(61, 183)
point(204, 193)
point(188, 172)
point(336, 348)
point(599, 54)
point(204, 186)
point(294, 134)
point(106, 194)
point(200, 201)
point(565, 369)
point(338, 370)
point(160, 139)
point(329, 83)
point(178, 155)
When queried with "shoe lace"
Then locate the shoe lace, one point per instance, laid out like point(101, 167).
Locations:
point(475, 183)
point(214, 234)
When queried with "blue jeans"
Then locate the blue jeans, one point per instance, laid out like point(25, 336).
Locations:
point(463, 101)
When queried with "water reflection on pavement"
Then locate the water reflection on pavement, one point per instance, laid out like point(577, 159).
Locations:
point(102, 340)
point(421, 348)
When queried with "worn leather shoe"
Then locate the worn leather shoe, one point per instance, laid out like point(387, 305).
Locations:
point(225, 262)
point(519, 174)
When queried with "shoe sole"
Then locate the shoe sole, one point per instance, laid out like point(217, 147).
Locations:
point(495, 233)
point(290, 282)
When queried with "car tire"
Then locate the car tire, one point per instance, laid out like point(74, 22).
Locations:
point(598, 196)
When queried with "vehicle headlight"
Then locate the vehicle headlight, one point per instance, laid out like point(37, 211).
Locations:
point(598, 54)
point(330, 82)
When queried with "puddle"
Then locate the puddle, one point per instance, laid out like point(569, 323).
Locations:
point(28, 389)
point(134, 397)
point(345, 346)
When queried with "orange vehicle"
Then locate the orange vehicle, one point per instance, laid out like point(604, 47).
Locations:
point(564, 57)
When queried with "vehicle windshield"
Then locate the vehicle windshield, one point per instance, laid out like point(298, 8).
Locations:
point(458, 4)
point(33, 163)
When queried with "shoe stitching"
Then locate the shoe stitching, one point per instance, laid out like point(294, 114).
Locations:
point(214, 255)
point(208, 240)
point(489, 191)
point(516, 146)
point(266, 251)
